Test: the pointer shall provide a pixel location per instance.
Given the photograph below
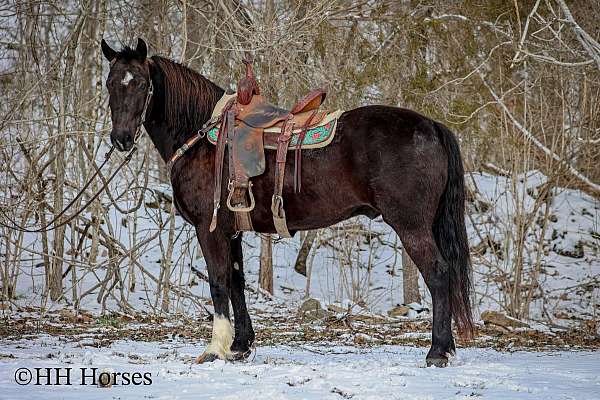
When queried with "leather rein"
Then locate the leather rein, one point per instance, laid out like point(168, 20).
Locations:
point(52, 225)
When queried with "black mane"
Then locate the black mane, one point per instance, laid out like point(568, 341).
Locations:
point(188, 97)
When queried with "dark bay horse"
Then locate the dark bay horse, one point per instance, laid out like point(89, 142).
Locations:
point(383, 161)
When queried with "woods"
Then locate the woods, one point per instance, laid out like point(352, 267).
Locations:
point(518, 82)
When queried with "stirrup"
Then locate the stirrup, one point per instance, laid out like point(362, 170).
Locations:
point(231, 187)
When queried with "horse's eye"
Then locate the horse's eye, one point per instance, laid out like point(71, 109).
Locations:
point(142, 86)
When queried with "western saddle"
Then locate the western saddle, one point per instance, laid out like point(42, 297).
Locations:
point(244, 119)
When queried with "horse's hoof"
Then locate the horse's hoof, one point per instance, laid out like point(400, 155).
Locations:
point(437, 362)
point(206, 358)
point(240, 355)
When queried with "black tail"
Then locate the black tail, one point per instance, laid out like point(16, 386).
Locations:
point(451, 235)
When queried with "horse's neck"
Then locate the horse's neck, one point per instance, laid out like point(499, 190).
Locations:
point(168, 137)
point(161, 138)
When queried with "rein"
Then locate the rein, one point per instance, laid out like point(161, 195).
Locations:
point(52, 225)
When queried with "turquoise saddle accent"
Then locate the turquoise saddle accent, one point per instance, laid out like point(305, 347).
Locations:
point(317, 136)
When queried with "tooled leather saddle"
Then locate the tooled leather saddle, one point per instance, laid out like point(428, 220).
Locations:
point(248, 125)
point(245, 120)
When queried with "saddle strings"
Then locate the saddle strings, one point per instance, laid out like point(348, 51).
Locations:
point(52, 225)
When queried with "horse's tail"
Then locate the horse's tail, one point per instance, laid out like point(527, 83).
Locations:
point(451, 234)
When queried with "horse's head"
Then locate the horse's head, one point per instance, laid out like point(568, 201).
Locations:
point(129, 89)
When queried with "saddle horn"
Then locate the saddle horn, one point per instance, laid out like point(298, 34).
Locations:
point(247, 86)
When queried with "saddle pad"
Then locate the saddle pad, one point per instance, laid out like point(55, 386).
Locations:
point(316, 136)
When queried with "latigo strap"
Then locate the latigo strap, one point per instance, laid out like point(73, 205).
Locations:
point(227, 125)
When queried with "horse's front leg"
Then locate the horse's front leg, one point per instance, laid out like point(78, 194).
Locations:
point(244, 334)
point(217, 254)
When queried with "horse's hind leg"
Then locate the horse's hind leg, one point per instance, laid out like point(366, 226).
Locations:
point(217, 253)
point(244, 334)
point(423, 250)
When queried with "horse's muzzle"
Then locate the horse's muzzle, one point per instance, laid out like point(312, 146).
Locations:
point(122, 139)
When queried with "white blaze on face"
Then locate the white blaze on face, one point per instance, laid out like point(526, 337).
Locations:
point(222, 337)
point(127, 78)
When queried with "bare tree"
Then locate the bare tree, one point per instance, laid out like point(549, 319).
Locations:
point(410, 280)
point(307, 244)
point(266, 264)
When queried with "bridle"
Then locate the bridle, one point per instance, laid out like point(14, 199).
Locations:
point(53, 223)
point(149, 94)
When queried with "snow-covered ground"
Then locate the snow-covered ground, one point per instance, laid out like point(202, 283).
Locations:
point(308, 372)
point(389, 372)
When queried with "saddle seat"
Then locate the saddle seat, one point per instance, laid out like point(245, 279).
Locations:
point(252, 120)
point(261, 114)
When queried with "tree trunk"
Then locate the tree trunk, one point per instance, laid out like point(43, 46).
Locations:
point(55, 283)
point(266, 264)
point(307, 244)
point(410, 280)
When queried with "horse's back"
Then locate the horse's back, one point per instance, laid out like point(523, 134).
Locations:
point(377, 123)
point(391, 139)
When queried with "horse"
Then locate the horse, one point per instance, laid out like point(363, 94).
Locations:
point(383, 161)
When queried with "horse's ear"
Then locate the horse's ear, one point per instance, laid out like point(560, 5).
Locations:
point(108, 52)
point(141, 49)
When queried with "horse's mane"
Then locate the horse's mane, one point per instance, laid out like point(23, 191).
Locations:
point(188, 96)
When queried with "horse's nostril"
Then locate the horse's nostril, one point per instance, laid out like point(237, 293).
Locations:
point(115, 142)
point(121, 139)
point(127, 141)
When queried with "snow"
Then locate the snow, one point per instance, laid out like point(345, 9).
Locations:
point(308, 372)
point(568, 248)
